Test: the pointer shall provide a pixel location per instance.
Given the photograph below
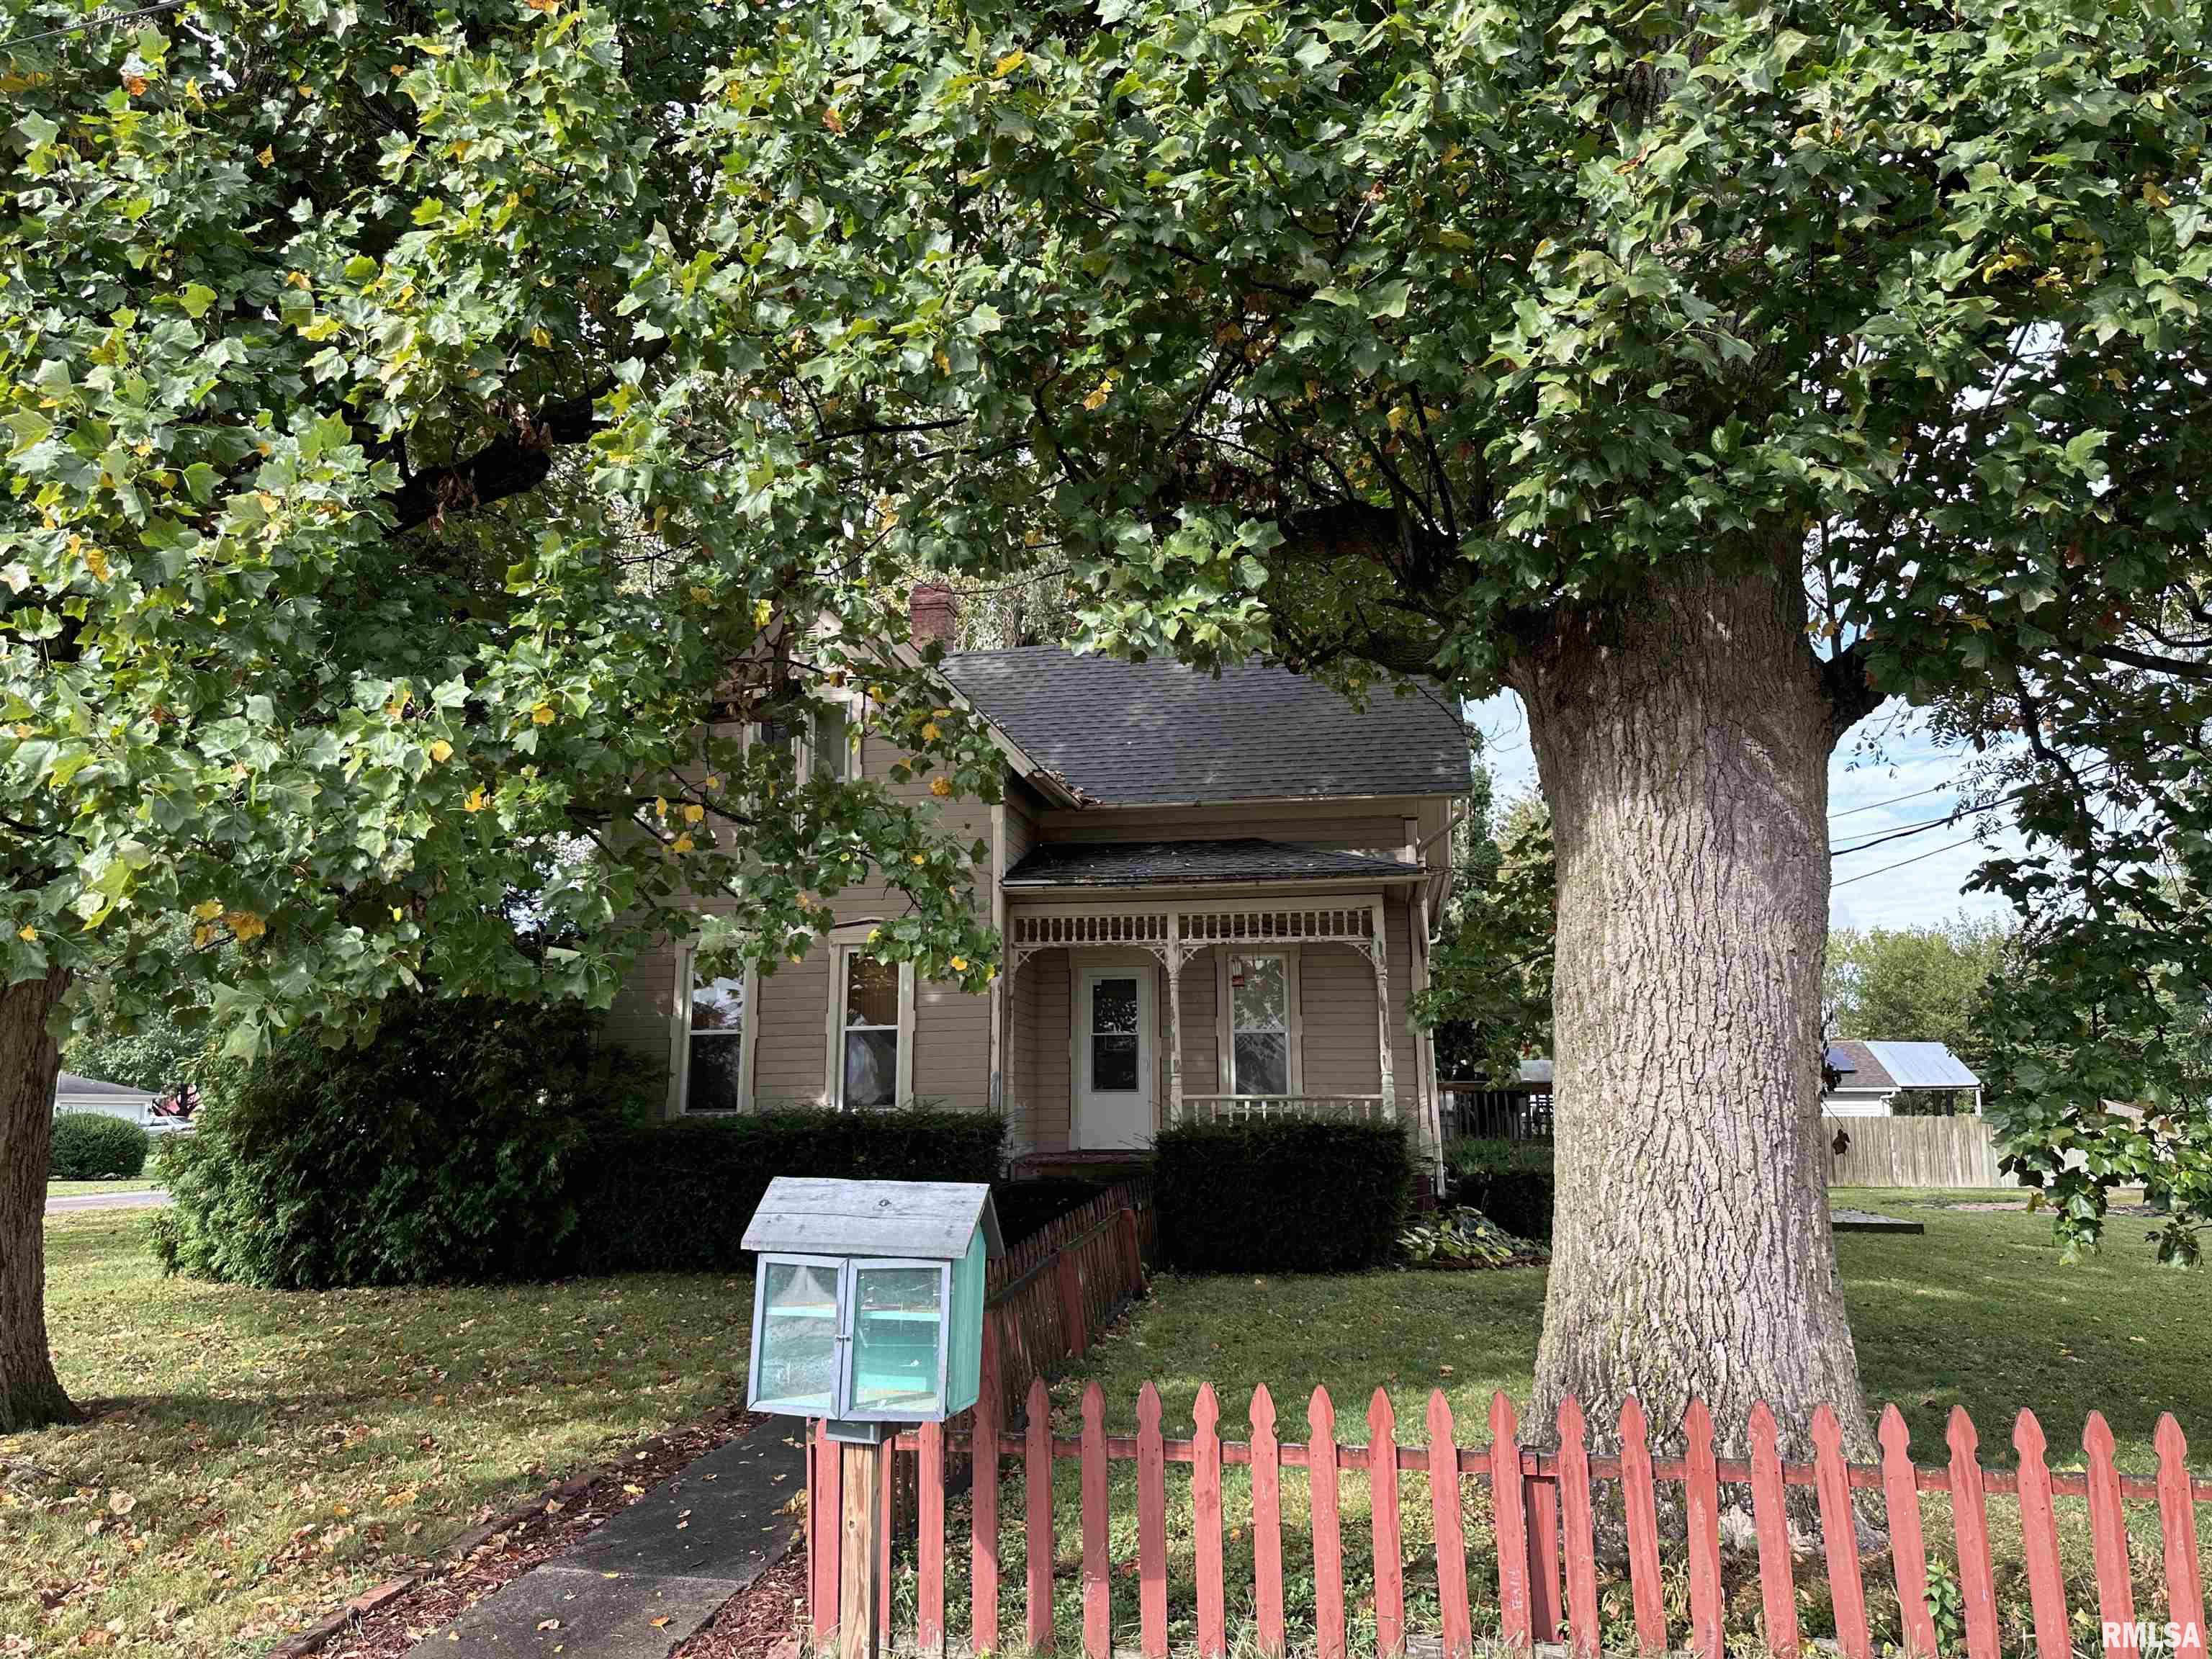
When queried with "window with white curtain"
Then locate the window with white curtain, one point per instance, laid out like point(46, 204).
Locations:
point(1260, 1009)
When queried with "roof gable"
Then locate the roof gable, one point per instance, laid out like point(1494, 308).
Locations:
point(1159, 733)
point(1867, 1071)
point(1923, 1065)
point(931, 1219)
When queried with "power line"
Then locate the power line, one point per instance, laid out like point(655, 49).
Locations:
point(1954, 816)
point(1871, 806)
point(108, 20)
point(1869, 874)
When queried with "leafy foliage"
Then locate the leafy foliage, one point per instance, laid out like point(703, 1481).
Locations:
point(1464, 1237)
point(451, 1147)
point(675, 1194)
point(1282, 1195)
point(1511, 1182)
point(1489, 995)
point(93, 1147)
point(1915, 984)
point(350, 619)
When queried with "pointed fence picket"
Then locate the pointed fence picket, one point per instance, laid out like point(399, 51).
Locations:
point(1543, 1515)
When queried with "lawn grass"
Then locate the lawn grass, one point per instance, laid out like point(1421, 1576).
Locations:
point(86, 1188)
point(1976, 1312)
point(250, 1459)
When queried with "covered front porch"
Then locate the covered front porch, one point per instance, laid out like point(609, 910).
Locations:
point(1126, 1013)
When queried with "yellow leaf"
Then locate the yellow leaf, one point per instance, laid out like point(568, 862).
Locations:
point(762, 611)
point(135, 85)
point(941, 787)
point(920, 858)
point(441, 751)
point(659, 806)
point(96, 562)
point(1099, 393)
point(477, 800)
point(2156, 196)
point(296, 279)
point(681, 844)
point(713, 782)
point(26, 931)
point(207, 909)
point(540, 338)
point(1009, 64)
point(832, 121)
point(702, 595)
point(203, 936)
point(943, 363)
point(245, 927)
point(694, 812)
point(929, 732)
point(960, 966)
point(542, 716)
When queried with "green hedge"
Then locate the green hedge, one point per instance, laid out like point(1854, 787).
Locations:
point(449, 1146)
point(676, 1196)
point(1509, 1181)
point(93, 1147)
point(1284, 1195)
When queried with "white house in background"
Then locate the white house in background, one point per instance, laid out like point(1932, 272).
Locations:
point(1871, 1075)
point(73, 1093)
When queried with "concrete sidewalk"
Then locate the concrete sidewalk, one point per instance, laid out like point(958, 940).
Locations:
point(654, 1573)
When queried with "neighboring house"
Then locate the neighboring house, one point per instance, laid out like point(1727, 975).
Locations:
point(1216, 897)
point(1871, 1075)
point(73, 1093)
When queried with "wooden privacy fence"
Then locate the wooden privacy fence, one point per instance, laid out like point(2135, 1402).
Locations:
point(1544, 1507)
point(1912, 1152)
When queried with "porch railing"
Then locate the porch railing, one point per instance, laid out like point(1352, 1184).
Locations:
point(1235, 1108)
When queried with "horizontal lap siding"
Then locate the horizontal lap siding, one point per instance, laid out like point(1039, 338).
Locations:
point(1045, 1095)
point(952, 1045)
point(1336, 1008)
point(644, 1007)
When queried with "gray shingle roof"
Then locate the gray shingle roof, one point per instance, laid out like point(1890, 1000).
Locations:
point(1132, 734)
point(1166, 863)
point(1867, 1071)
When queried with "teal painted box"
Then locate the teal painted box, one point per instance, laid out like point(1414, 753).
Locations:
point(868, 1299)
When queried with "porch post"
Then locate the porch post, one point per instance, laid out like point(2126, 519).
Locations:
point(1382, 951)
point(1175, 1018)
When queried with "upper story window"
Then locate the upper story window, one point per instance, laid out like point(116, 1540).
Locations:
point(823, 740)
point(717, 1057)
point(1261, 1001)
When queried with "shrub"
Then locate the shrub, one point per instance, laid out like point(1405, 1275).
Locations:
point(93, 1147)
point(1029, 1206)
point(448, 1146)
point(675, 1195)
point(1282, 1195)
point(1509, 1181)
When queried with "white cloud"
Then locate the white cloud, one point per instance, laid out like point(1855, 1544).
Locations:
point(1892, 777)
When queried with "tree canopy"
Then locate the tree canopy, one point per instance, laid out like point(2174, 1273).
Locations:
point(434, 435)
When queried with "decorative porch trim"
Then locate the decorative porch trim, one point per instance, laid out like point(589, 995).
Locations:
point(1174, 933)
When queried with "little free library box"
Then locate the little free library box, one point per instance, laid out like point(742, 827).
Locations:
point(868, 1301)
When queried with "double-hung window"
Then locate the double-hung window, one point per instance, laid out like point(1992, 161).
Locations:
point(871, 1030)
point(1260, 997)
point(715, 1065)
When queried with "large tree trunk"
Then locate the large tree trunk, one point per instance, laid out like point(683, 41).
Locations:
point(30, 1392)
point(1683, 737)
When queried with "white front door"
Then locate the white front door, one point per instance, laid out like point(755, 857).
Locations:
point(1113, 1020)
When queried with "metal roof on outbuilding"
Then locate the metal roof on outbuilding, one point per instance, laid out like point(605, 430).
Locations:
point(1923, 1065)
point(933, 1220)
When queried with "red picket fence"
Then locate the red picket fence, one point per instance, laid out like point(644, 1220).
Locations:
point(1544, 1509)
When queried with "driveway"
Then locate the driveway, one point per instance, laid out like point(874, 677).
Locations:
point(153, 1201)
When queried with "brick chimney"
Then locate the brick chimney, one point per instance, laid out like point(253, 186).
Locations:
point(933, 613)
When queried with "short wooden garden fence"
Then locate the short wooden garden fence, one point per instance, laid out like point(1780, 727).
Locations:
point(1544, 1510)
point(1053, 1291)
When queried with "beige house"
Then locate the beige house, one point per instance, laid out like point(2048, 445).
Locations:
point(1216, 897)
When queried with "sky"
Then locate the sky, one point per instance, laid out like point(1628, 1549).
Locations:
point(1888, 755)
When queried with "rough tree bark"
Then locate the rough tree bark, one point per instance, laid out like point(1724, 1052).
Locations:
point(30, 1392)
point(1682, 735)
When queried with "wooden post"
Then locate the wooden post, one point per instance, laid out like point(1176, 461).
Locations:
point(858, 1592)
